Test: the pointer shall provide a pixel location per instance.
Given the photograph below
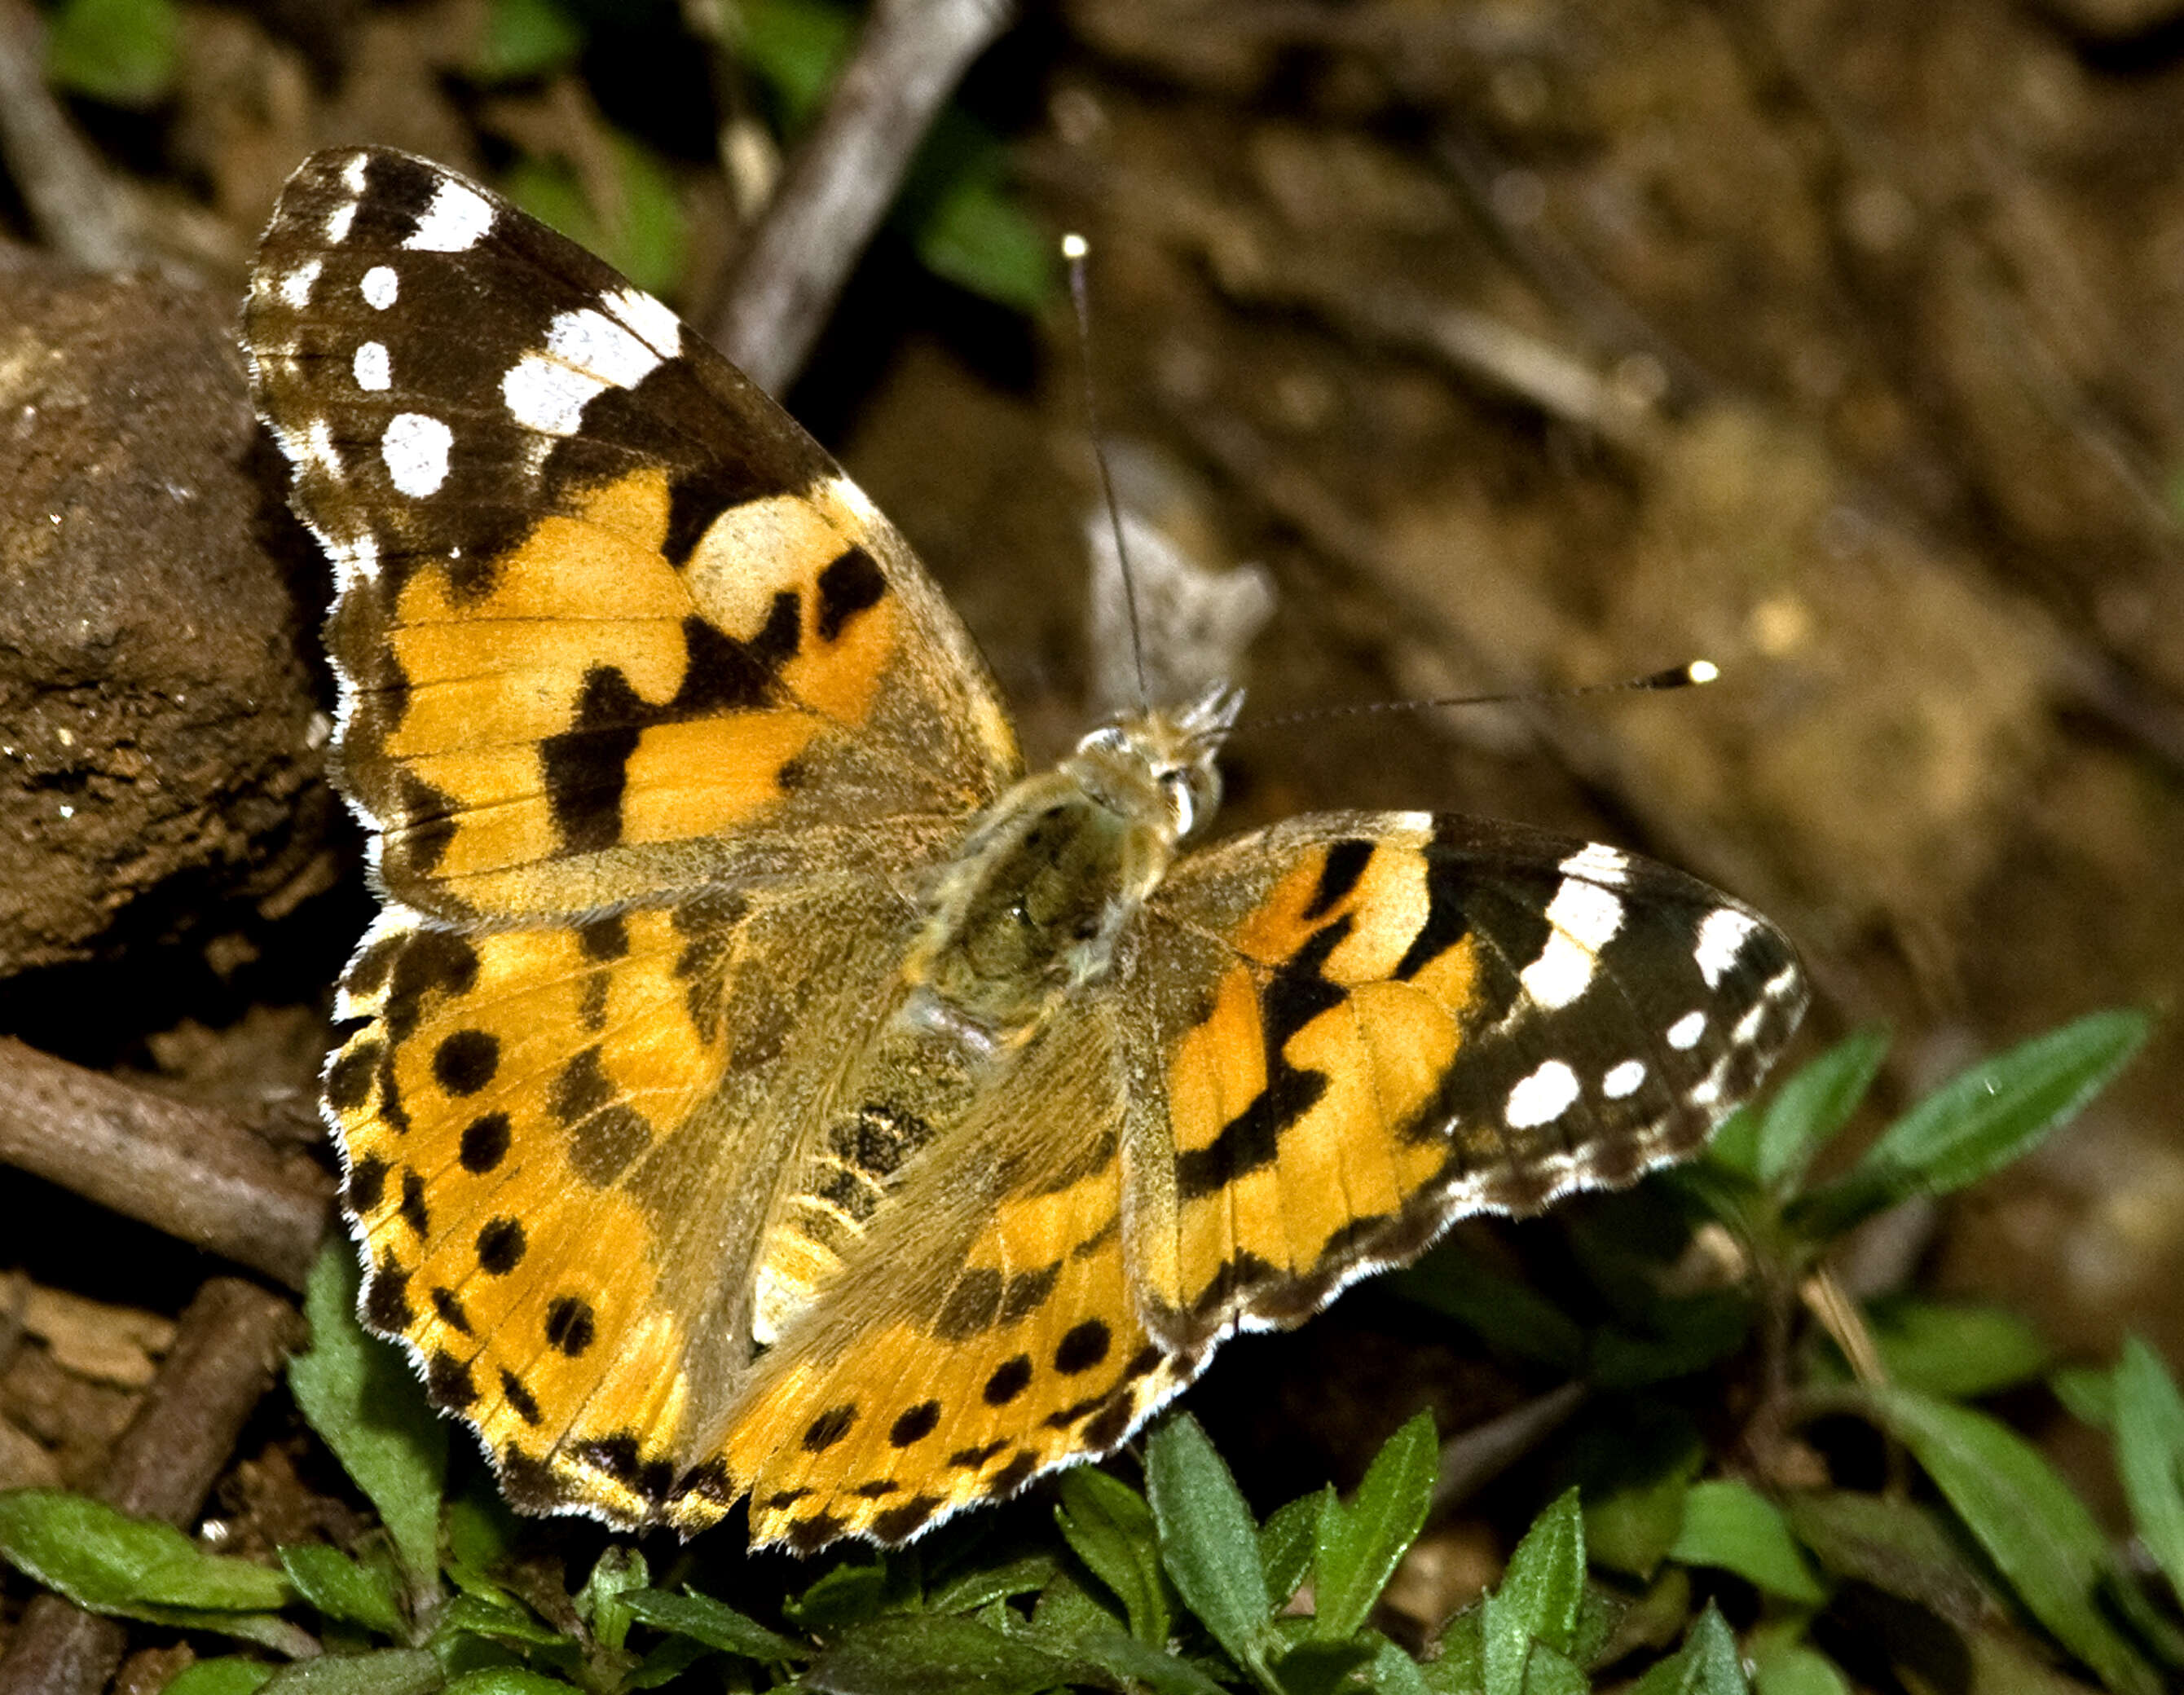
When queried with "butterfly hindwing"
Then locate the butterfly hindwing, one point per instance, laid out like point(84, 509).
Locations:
point(610, 623)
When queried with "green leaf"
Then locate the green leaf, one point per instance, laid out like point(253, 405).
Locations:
point(846, 1594)
point(1807, 1110)
point(2038, 1534)
point(2149, 1436)
point(526, 38)
point(1136, 1663)
point(1793, 1670)
point(390, 1671)
point(966, 1592)
point(1360, 1545)
point(502, 1620)
point(1207, 1541)
point(979, 234)
point(507, 1679)
point(714, 1623)
point(226, 1676)
point(1892, 1545)
point(1506, 1313)
point(1979, 1122)
point(341, 1589)
point(108, 1562)
point(793, 46)
point(930, 1654)
point(358, 1394)
point(1549, 1673)
point(1538, 1598)
point(1730, 1525)
point(1393, 1672)
point(1460, 1668)
point(2087, 1392)
point(1635, 1477)
point(620, 1568)
point(1108, 1525)
point(1957, 1350)
point(1286, 1542)
point(123, 51)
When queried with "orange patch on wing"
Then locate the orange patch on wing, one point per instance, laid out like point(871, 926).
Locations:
point(971, 1399)
point(524, 1283)
point(706, 775)
point(1220, 1065)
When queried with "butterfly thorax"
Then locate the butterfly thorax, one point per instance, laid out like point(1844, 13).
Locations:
point(1052, 872)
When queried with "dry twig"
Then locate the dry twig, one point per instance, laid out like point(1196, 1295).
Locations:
point(194, 1174)
point(834, 192)
point(75, 205)
point(227, 1347)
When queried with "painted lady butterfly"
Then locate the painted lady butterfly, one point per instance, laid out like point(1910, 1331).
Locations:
point(756, 1084)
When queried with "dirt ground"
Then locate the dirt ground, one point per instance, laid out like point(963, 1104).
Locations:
point(1525, 345)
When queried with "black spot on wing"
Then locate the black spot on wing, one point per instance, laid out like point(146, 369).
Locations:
point(848, 586)
point(1339, 872)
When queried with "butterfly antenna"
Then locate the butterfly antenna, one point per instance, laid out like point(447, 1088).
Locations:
point(1074, 251)
point(1690, 675)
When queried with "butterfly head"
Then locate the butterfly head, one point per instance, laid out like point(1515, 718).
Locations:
point(1159, 764)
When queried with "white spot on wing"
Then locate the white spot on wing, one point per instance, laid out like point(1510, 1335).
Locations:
point(1624, 1080)
point(338, 222)
point(458, 217)
point(379, 288)
point(585, 354)
point(542, 394)
point(353, 173)
point(1585, 918)
point(372, 369)
point(1542, 1097)
point(657, 327)
point(1684, 1034)
point(856, 500)
point(296, 287)
point(1722, 935)
point(415, 449)
point(596, 344)
point(317, 452)
point(1599, 863)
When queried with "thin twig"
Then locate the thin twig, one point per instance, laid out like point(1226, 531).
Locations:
point(844, 177)
point(77, 209)
point(1471, 1460)
point(192, 1172)
point(227, 1347)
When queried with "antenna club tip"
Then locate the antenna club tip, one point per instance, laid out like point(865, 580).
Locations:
point(1074, 246)
point(1702, 671)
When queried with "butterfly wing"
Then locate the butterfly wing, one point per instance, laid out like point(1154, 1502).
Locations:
point(1373, 1024)
point(1324, 1042)
point(610, 623)
point(654, 720)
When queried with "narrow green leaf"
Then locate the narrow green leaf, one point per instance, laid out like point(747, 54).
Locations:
point(359, 1395)
point(108, 1562)
point(794, 45)
point(125, 53)
point(928, 1655)
point(847, 1594)
point(1730, 1525)
point(966, 1592)
point(1979, 1122)
point(668, 1660)
point(2149, 1434)
point(1892, 1545)
point(390, 1671)
point(507, 1679)
point(1353, 1564)
point(1505, 1313)
point(642, 233)
point(1817, 1100)
point(226, 1676)
point(1714, 1665)
point(340, 1588)
point(1957, 1350)
point(2038, 1534)
point(979, 235)
point(619, 1569)
point(2087, 1392)
point(1544, 1584)
point(1136, 1663)
point(1631, 1523)
point(1796, 1671)
point(1549, 1673)
point(502, 1620)
point(1460, 1668)
point(1108, 1525)
point(713, 1623)
point(1208, 1540)
point(1286, 1542)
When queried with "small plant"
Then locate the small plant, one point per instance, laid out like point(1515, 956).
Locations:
point(1653, 1541)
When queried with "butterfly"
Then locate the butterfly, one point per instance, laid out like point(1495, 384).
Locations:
point(754, 1083)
